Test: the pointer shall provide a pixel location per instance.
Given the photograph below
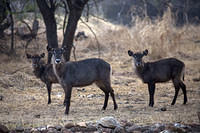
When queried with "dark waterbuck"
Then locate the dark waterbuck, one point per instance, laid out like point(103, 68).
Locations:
point(160, 71)
point(82, 73)
point(43, 71)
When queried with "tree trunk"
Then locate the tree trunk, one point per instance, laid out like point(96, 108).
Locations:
point(12, 51)
point(48, 14)
point(75, 10)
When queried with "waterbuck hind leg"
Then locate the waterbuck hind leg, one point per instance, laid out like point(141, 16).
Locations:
point(151, 87)
point(105, 101)
point(183, 87)
point(113, 98)
point(177, 88)
point(48, 85)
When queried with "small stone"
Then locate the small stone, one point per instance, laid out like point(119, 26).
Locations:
point(3, 129)
point(82, 124)
point(91, 96)
point(163, 109)
point(19, 129)
point(42, 128)
point(37, 116)
point(52, 130)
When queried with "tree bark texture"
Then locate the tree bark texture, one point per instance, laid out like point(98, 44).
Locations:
point(48, 14)
point(75, 10)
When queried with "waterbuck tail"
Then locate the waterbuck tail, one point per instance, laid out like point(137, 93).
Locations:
point(183, 73)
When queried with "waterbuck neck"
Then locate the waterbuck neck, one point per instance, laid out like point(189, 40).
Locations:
point(56, 68)
point(140, 70)
point(39, 70)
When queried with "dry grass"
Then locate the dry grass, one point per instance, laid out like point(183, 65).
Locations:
point(25, 96)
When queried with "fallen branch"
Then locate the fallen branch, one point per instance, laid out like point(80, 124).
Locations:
point(98, 44)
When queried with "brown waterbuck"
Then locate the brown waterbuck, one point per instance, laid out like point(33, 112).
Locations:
point(43, 71)
point(82, 73)
point(160, 71)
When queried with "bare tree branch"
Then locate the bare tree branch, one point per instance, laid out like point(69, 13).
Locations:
point(29, 28)
point(66, 12)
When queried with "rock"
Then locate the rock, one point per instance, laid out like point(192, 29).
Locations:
point(166, 131)
point(69, 125)
point(43, 128)
point(19, 129)
point(158, 128)
point(198, 114)
point(109, 123)
point(3, 129)
point(176, 128)
point(58, 127)
point(82, 124)
point(64, 130)
point(138, 128)
point(13, 131)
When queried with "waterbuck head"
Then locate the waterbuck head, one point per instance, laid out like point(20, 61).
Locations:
point(137, 57)
point(35, 59)
point(56, 54)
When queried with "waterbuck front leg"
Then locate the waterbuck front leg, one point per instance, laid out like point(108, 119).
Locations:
point(48, 85)
point(151, 87)
point(68, 92)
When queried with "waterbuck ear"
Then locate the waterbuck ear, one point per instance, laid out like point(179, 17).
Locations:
point(28, 56)
point(49, 49)
point(145, 52)
point(130, 53)
point(42, 55)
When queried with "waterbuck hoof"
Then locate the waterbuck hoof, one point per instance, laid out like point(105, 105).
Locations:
point(172, 103)
point(150, 105)
point(116, 107)
point(104, 108)
point(66, 113)
point(185, 101)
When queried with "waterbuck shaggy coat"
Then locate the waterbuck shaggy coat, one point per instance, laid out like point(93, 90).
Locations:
point(82, 73)
point(43, 71)
point(160, 71)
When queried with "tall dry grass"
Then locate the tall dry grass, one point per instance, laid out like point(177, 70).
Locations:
point(161, 37)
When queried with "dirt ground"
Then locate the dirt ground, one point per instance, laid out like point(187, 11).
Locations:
point(25, 97)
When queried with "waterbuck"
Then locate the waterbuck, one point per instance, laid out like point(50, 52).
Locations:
point(43, 71)
point(160, 71)
point(82, 73)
